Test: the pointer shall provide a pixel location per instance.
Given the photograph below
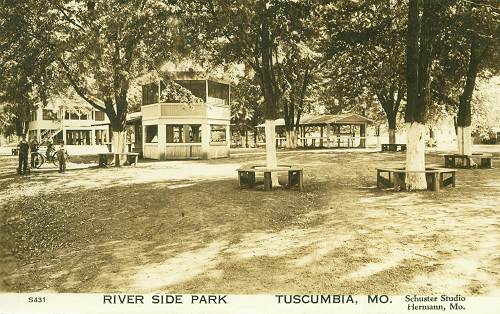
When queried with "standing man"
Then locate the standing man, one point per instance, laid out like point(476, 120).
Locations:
point(24, 150)
point(62, 156)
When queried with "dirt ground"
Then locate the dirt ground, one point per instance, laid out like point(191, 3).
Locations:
point(186, 227)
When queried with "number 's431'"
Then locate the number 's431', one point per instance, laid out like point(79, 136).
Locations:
point(36, 299)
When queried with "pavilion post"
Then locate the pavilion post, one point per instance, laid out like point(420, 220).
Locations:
point(321, 135)
point(328, 129)
point(362, 134)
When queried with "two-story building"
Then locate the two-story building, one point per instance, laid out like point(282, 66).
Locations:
point(175, 130)
point(73, 121)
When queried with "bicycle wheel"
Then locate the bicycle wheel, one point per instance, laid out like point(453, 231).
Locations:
point(54, 159)
point(38, 160)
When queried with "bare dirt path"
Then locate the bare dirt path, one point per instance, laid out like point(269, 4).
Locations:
point(184, 226)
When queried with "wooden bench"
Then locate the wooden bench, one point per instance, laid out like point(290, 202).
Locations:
point(106, 159)
point(450, 160)
point(246, 176)
point(15, 151)
point(435, 178)
point(393, 147)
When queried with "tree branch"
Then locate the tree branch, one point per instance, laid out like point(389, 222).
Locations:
point(78, 89)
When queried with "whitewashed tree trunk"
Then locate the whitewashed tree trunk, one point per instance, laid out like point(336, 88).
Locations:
point(291, 139)
point(464, 140)
point(119, 145)
point(271, 159)
point(415, 156)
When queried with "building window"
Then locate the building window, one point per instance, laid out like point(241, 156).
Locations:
point(174, 134)
point(77, 137)
point(99, 116)
point(187, 133)
point(150, 94)
point(101, 137)
point(194, 133)
point(218, 133)
point(48, 114)
point(151, 134)
point(219, 91)
point(196, 87)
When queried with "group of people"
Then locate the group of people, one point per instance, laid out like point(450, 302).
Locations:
point(26, 149)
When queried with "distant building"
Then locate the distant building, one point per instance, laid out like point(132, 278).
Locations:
point(71, 120)
point(327, 130)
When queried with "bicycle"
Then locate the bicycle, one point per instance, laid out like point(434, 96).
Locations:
point(39, 159)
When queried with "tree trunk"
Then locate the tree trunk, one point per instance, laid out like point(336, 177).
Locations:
point(377, 133)
point(415, 156)
point(432, 134)
point(391, 120)
point(392, 136)
point(119, 146)
point(271, 159)
point(271, 94)
point(291, 139)
point(464, 116)
point(464, 140)
point(418, 60)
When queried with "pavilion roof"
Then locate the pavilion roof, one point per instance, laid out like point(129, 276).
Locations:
point(324, 119)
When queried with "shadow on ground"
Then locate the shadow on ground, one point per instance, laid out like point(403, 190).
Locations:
point(186, 227)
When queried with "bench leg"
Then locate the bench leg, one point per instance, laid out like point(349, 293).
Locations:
point(268, 182)
point(486, 163)
point(301, 181)
point(453, 179)
point(396, 182)
point(251, 179)
point(240, 175)
point(246, 179)
point(436, 177)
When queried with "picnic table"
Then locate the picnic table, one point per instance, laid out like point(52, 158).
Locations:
point(437, 178)
point(246, 176)
point(106, 159)
point(465, 161)
point(393, 147)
